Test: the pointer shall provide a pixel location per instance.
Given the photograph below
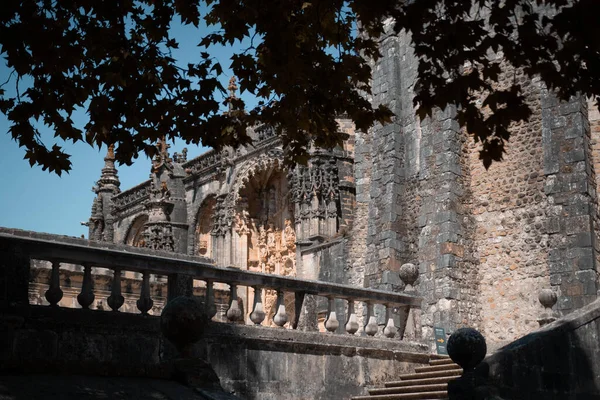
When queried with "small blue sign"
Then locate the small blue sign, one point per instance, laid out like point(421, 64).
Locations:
point(440, 340)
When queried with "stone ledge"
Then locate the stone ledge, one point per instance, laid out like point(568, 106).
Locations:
point(321, 246)
point(319, 342)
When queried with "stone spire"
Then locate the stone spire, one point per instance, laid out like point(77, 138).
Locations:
point(109, 180)
point(102, 218)
point(232, 88)
point(166, 228)
point(162, 158)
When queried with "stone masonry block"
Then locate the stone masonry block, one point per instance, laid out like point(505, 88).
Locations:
point(447, 237)
point(446, 216)
point(553, 225)
point(588, 281)
point(574, 156)
point(578, 224)
point(446, 260)
point(133, 350)
point(35, 345)
point(584, 252)
point(582, 239)
point(586, 263)
point(82, 346)
point(558, 266)
point(452, 248)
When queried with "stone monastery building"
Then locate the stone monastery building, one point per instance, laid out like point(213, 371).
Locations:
point(485, 242)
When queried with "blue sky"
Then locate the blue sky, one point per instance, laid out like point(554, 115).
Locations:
point(33, 199)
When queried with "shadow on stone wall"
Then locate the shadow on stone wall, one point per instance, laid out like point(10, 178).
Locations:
point(559, 361)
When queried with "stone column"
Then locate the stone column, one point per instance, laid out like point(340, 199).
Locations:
point(570, 188)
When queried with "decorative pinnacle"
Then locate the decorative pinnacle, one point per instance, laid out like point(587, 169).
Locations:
point(233, 87)
point(109, 180)
point(162, 157)
point(110, 154)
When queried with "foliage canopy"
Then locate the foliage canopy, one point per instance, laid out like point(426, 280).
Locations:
point(306, 63)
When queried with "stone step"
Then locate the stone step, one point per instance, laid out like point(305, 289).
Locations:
point(439, 357)
point(415, 382)
point(442, 361)
point(434, 374)
point(443, 367)
point(409, 389)
point(442, 394)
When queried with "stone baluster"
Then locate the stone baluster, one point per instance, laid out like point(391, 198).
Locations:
point(547, 298)
point(115, 300)
point(352, 323)
point(332, 322)
point(390, 329)
point(281, 316)
point(86, 297)
point(54, 294)
point(258, 312)
point(371, 327)
point(144, 303)
point(211, 308)
point(409, 319)
point(234, 313)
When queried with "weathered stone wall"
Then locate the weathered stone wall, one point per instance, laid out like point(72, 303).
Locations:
point(571, 190)
point(486, 241)
point(347, 185)
point(384, 240)
point(509, 207)
point(284, 364)
point(560, 361)
point(418, 181)
point(251, 362)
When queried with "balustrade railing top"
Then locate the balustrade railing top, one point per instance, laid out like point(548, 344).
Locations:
point(60, 249)
point(135, 194)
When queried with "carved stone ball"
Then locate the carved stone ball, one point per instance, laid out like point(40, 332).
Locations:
point(409, 273)
point(467, 348)
point(547, 297)
point(183, 321)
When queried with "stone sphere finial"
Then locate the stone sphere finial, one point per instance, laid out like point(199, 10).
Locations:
point(183, 321)
point(467, 348)
point(548, 298)
point(409, 274)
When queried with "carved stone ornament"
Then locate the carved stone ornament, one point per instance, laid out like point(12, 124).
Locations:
point(159, 237)
point(242, 218)
point(162, 157)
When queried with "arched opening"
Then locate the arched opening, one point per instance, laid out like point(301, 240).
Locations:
point(265, 202)
point(135, 235)
point(265, 225)
point(204, 223)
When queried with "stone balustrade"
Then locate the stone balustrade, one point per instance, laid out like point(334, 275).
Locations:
point(204, 163)
point(18, 248)
point(134, 195)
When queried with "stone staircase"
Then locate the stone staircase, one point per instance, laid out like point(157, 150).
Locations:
point(427, 383)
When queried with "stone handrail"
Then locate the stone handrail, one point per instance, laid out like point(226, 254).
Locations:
point(19, 247)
